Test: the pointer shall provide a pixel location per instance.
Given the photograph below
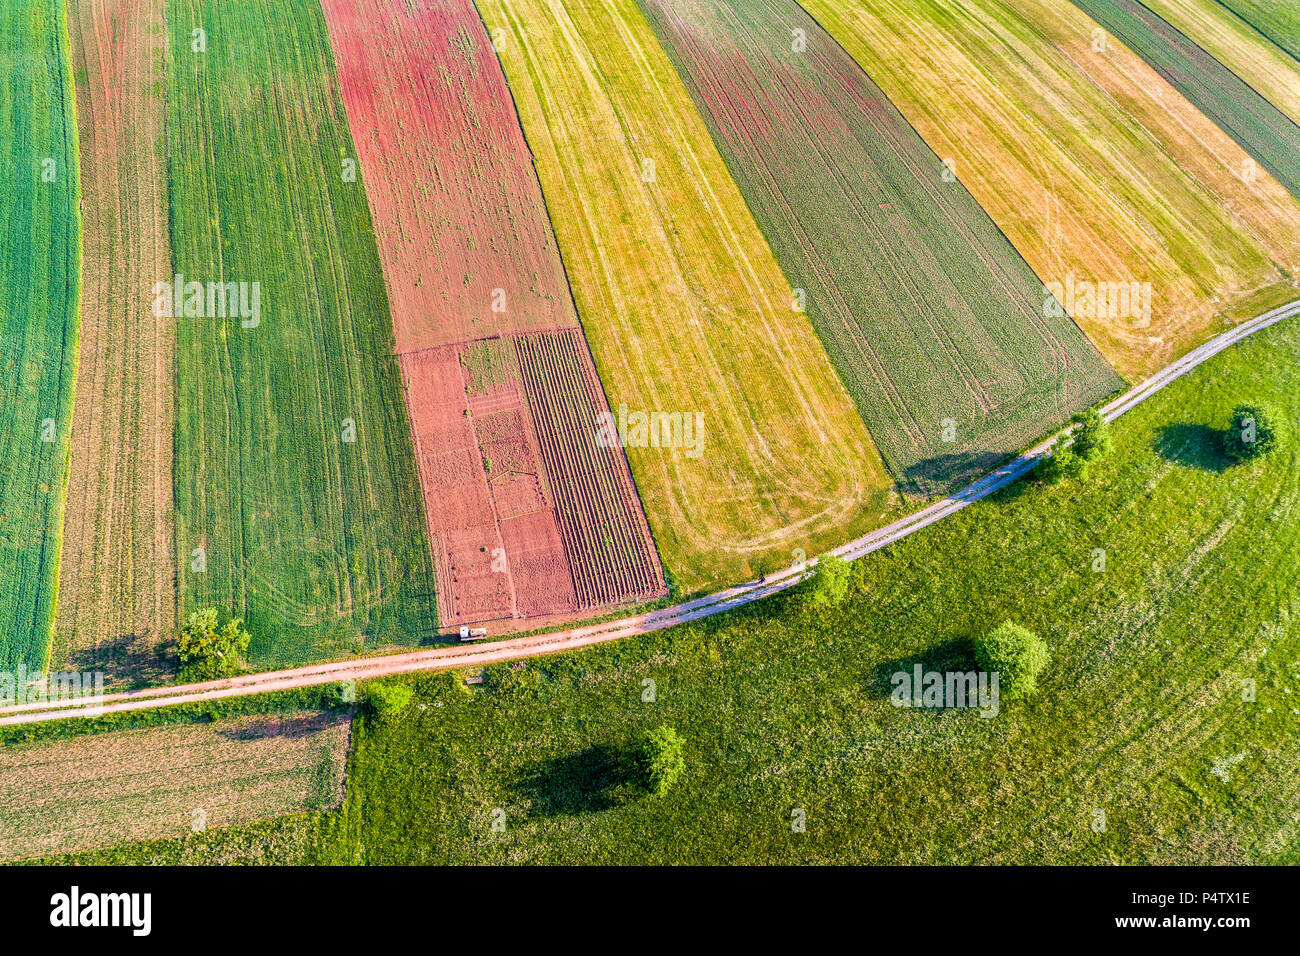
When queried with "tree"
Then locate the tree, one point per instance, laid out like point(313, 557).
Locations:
point(1016, 655)
point(210, 650)
point(1251, 433)
point(828, 585)
point(659, 759)
point(1063, 464)
point(386, 700)
point(1092, 435)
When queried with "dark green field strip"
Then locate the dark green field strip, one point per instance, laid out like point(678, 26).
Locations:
point(1279, 20)
point(934, 322)
point(40, 237)
point(295, 471)
point(1257, 126)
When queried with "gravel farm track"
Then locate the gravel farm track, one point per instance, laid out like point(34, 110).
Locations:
point(447, 658)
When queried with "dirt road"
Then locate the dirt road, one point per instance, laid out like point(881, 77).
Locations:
point(444, 658)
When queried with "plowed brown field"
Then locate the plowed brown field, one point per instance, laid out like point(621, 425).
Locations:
point(117, 594)
point(119, 787)
point(603, 528)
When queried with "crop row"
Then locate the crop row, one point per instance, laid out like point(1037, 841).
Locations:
point(610, 552)
point(90, 791)
point(935, 323)
point(1271, 138)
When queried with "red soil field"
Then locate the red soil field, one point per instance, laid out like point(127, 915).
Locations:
point(462, 521)
point(457, 208)
point(521, 525)
point(600, 517)
point(528, 515)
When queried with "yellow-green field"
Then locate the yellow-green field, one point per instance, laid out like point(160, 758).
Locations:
point(1279, 20)
point(683, 303)
point(1238, 46)
point(1093, 165)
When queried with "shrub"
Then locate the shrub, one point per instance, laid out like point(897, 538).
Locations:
point(386, 701)
point(340, 695)
point(1063, 464)
point(659, 759)
point(1016, 655)
point(1251, 433)
point(828, 585)
point(1092, 435)
point(210, 650)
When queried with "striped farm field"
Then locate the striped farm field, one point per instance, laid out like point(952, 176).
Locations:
point(1279, 20)
point(40, 236)
point(117, 591)
point(1258, 60)
point(298, 502)
point(517, 530)
point(523, 522)
point(85, 792)
point(1090, 163)
point(1271, 138)
point(457, 208)
point(600, 518)
point(938, 327)
point(683, 304)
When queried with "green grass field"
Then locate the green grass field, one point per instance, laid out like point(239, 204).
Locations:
point(1279, 20)
point(1264, 132)
point(1161, 586)
point(40, 236)
point(319, 540)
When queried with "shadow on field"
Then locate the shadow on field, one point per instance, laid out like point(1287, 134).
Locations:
point(944, 474)
point(588, 781)
point(128, 660)
point(957, 654)
point(1192, 446)
point(273, 725)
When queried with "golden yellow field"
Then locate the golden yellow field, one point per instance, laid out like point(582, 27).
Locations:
point(1094, 167)
point(1238, 46)
point(683, 303)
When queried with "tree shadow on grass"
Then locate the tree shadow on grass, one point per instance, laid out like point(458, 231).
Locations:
point(956, 654)
point(588, 781)
point(1193, 446)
